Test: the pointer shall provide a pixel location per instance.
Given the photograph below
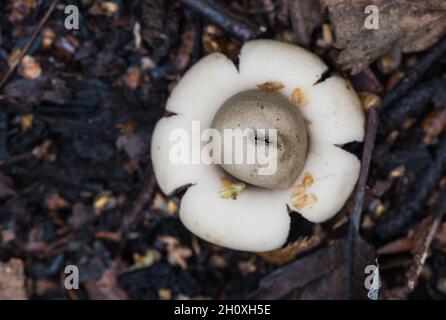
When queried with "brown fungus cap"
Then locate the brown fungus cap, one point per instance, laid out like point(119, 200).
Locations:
point(270, 125)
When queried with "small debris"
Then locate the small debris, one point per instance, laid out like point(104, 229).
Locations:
point(271, 86)
point(104, 201)
point(12, 280)
point(29, 68)
point(369, 100)
point(143, 261)
point(305, 200)
point(165, 294)
point(176, 253)
point(231, 190)
point(26, 122)
point(298, 98)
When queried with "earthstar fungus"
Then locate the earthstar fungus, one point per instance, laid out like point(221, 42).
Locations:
point(231, 205)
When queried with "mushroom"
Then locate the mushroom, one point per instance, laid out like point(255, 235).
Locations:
point(231, 204)
point(261, 111)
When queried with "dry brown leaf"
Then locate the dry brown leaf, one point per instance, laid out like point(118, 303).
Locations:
point(321, 275)
point(106, 288)
point(289, 253)
point(406, 26)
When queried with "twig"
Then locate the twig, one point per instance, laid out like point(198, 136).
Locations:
point(3, 135)
point(183, 56)
point(355, 219)
point(18, 196)
point(369, 145)
point(413, 104)
point(397, 223)
point(186, 48)
point(29, 43)
point(414, 75)
point(420, 258)
point(143, 199)
point(231, 22)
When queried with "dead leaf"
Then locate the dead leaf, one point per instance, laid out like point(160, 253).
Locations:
point(289, 253)
point(12, 280)
point(106, 288)
point(406, 26)
point(321, 275)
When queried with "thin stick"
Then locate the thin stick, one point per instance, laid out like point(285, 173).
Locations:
point(414, 75)
point(355, 219)
point(420, 258)
point(29, 43)
point(141, 201)
point(231, 22)
point(369, 146)
point(398, 221)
